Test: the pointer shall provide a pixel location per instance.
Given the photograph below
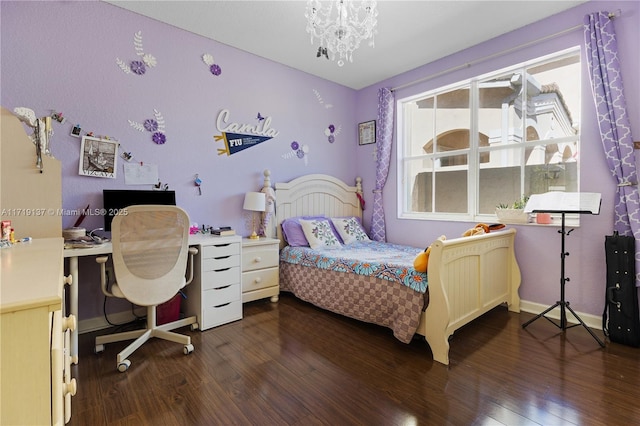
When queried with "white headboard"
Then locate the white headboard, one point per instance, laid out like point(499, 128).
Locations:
point(314, 195)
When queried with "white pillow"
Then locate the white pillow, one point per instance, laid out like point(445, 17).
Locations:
point(319, 233)
point(350, 229)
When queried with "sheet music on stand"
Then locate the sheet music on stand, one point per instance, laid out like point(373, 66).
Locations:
point(564, 202)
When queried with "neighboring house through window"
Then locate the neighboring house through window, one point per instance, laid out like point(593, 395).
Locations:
point(468, 147)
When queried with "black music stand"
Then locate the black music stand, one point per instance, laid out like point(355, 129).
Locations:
point(563, 203)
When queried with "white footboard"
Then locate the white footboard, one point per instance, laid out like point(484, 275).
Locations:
point(468, 277)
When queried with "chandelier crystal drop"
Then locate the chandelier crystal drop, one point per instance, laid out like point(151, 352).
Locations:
point(340, 26)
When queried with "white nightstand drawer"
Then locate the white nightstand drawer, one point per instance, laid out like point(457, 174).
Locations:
point(220, 250)
point(221, 295)
point(220, 263)
point(256, 280)
point(222, 278)
point(259, 257)
point(214, 316)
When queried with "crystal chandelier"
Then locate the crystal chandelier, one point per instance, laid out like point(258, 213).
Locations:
point(340, 26)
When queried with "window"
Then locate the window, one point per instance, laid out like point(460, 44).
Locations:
point(466, 148)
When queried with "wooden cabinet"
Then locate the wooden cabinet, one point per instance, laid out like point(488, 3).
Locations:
point(260, 269)
point(35, 384)
point(214, 295)
point(31, 200)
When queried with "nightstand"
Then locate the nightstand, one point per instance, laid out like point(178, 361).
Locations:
point(260, 269)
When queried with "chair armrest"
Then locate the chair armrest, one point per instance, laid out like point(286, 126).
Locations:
point(102, 260)
point(192, 252)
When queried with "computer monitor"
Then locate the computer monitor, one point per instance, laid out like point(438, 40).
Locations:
point(117, 199)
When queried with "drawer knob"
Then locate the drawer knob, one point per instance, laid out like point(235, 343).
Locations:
point(257, 259)
point(257, 280)
point(70, 388)
point(69, 323)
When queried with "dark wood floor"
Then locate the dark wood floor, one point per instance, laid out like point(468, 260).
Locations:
point(292, 364)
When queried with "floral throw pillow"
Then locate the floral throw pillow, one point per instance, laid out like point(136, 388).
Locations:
point(319, 233)
point(350, 230)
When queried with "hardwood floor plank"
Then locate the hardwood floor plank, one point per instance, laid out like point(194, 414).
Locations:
point(291, 363)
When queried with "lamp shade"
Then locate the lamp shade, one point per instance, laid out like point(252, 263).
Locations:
point(255, 201)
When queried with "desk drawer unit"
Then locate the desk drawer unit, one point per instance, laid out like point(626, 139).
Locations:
point(214, 296)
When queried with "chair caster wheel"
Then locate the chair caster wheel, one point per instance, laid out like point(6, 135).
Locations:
point(98, 349)
point(194, 326)
point(187, 349)
point(124, 365)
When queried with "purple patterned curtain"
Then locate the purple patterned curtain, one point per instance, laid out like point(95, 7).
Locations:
point(384, 139)
point(615, 128)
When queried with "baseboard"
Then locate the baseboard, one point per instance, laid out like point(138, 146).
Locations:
point(100, 323)
point(592, 321)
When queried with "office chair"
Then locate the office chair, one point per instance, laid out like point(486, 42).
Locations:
point(150, 253)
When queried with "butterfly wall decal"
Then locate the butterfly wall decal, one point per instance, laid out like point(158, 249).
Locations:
point(259, 117)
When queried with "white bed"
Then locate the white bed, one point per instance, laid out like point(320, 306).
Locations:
point(467, 276)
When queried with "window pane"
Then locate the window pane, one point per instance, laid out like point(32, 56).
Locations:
point(451, 190)
point(551, 177)
point(553, 91)
point(500, 109)
point(419, 116)
point(500, 181)
point(418, 186)
point(450, 183)
point(453, 120)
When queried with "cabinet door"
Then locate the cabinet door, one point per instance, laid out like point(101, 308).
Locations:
point(25, 364)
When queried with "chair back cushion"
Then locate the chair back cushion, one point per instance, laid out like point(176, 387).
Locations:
point(150, 249)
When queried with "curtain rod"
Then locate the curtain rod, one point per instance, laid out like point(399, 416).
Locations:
point(612, 15)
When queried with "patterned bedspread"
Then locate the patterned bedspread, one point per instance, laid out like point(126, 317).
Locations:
point(379, 290)
point(387, 261)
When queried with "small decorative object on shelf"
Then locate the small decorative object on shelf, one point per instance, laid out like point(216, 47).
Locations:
point(513, 213)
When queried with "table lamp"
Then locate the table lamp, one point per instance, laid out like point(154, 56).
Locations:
point(254, 202)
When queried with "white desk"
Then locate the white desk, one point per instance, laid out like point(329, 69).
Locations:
point(74, 253)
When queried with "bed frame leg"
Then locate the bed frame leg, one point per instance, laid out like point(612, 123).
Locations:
point(439, 349)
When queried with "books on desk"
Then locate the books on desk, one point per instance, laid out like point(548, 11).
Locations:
point(223, 231)
point(84, 242)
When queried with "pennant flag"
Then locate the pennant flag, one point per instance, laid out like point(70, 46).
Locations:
point(235, 142)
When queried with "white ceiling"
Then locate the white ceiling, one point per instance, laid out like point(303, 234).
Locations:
point(410, 33)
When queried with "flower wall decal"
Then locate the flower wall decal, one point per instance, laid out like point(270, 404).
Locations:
point(331, 132)
point(153, 125)
point(138, 67)
point(298, 151)
point(213, 67)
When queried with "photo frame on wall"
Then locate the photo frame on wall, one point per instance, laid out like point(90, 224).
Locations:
point(98, 157)
point(367, 132)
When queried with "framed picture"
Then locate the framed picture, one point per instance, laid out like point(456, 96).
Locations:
point(98, 157)
point(367, 132)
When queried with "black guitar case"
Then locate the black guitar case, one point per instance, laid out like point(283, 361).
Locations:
point(621, 317)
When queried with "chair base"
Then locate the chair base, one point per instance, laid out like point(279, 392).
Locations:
point(141, 336)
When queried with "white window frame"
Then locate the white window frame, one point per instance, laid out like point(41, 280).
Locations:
point(473, 151)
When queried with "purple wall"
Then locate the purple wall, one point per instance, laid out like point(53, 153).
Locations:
point(62, 56)
point(537, 248)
